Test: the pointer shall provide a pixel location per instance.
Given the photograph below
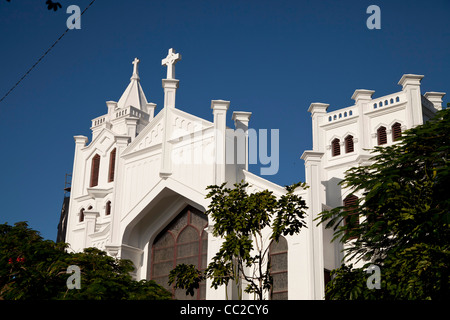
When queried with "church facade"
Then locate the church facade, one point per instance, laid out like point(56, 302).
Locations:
point(138, 187)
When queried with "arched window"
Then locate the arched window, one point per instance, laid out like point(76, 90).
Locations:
point(349, 144)
point(184, 240)
point(108, 208)
point(81, 215)
point(350, 204)
point(396, 131)
point(335, 147)
point(95, 167)
point(112, 165)
point(381, 135)
point(278, 257)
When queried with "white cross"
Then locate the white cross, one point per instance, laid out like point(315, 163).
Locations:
point(170, 62)
point(135, 67)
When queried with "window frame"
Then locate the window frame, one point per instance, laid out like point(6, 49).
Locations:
point(175, 243)
point(381, 136)
point(112, 165)
point(349, 142)
point(95, 170)
point(335, 147)
point(284, 251)
point(396, 129)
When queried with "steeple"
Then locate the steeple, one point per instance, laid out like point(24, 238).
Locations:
point(170, 84)
point(133, 94)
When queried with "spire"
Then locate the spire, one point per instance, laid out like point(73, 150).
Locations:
point(133, 94)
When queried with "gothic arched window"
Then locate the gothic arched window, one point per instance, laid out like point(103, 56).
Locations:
point(396, 131)
point(81, 215)
point(184, 240)
point(278, 257)
point(95, 169)
point(350, 204)
point(381, 135)
point(335, 147)
point(349, 147)
point(112, 165)
point(108, 208)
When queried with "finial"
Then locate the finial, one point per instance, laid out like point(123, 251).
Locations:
point(135, 69)
point(170, 61)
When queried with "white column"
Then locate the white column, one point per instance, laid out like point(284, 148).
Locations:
point(318, 114)
point(77, 183)
point(220, 108)
point(90, 219)
point(112, 106)
point(411, 86)
point(362, 99)
point(313, 177)
point(116, 205)
point(170, 87)
point(435, 98)
point(151, 110)
point(241, 120)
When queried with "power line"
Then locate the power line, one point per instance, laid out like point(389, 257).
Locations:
point(42, 57)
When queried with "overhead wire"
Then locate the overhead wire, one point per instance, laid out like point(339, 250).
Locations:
point(43, 56)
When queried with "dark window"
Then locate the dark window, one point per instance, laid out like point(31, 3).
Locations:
point(396, 131)
point(381, 135)
point(184, 240)
point(335, 147)
point(95, 170)
point(81, 216)
point(108, 208)
point(349, 144)
point(112, 165)
point(278, 257)
point(351, 206)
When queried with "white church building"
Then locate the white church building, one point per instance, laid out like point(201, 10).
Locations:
point(138, 186)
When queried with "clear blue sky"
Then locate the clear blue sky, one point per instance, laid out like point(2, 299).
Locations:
point(272, 58)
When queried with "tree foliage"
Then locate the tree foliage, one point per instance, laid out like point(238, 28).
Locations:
point(35, 269)
point(246, 223)
point(50, 5)
point(404, 217)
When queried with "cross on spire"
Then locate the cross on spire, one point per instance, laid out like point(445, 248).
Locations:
point(170, 61)
point(135, 69)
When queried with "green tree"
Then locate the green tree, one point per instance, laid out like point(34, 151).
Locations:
point(404, 218)
point(242, 220)
point(32, 268)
